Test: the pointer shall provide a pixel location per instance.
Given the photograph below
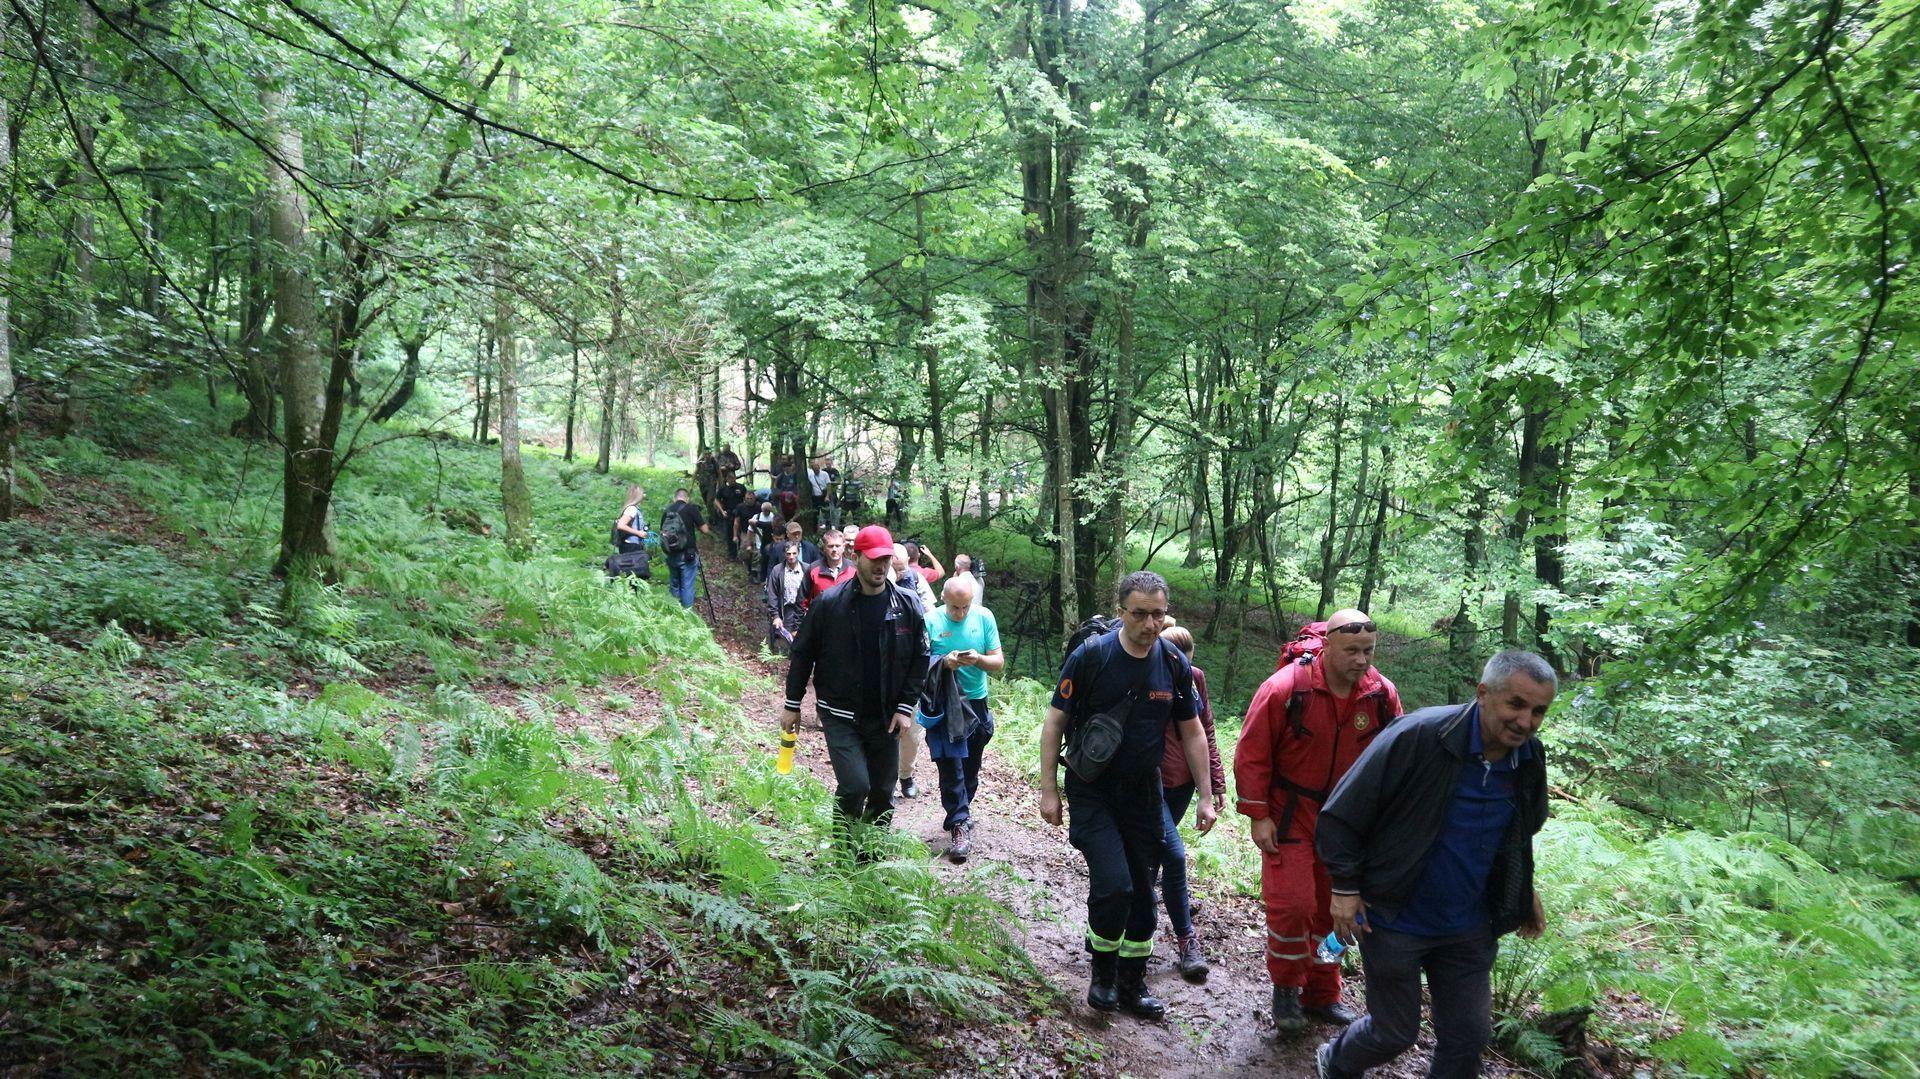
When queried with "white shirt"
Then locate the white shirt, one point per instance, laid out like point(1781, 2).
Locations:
point(819, 480)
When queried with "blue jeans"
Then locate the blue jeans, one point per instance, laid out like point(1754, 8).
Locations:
point(680, 578)
point(1173, 861)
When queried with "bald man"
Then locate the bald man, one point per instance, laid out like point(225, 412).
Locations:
point(1307, 724)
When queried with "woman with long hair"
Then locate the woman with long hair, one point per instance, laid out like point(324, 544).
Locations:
point(631, 526)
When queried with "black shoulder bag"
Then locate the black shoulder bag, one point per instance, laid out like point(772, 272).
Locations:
point(1097, 738)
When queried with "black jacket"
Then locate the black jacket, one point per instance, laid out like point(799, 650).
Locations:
point(1376, 829)
point(775, 605)
point(825, 652)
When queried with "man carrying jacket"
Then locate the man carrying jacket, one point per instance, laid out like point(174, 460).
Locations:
point(864, 646)
point(1429, 842)
point(1307, 724)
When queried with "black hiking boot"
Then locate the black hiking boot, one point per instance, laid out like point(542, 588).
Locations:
point(1134, 998)
point(1288, 1020)
point(908, 788)
point(1336, 1013)
point(1103, 995)
point(1189, 960)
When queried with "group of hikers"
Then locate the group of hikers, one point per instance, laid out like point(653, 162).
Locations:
point(1409, 835)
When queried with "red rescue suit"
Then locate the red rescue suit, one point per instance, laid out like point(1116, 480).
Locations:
point(1296, 743)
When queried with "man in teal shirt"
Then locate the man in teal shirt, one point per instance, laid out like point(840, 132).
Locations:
point(966, 638)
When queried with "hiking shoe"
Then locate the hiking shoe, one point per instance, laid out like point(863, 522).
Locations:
point(909, 789)
point(1189, 960)
point(1288, 1020)
point(962, 844)
point(1323, 1061)
point(1336, 1013)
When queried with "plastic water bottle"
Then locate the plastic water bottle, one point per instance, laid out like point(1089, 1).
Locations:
point(788, 739)
point(1331, 949)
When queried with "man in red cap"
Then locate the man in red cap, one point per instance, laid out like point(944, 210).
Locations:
point(864, 647)
point(1307, 724)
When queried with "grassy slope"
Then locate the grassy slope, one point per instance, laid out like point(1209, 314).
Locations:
point(458, 814)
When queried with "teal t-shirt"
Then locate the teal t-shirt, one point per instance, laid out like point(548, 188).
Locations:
point(978, 631)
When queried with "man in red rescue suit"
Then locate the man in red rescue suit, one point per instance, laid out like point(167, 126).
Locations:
point(1307, 724)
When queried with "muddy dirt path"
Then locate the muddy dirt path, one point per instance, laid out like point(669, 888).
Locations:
point(1218, 1028)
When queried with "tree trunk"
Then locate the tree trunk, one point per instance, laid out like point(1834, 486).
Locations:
point(1463, 634)
point(306, 542)
point(516, 502)
point(1329, 568)
point(573, 399)
point(409, 379)
point(615, 359)
point(256, 366)
point(9, 405)
point(1371, 580)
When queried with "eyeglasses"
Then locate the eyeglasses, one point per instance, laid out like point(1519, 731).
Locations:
point(1142, 616)
point(1354, 627)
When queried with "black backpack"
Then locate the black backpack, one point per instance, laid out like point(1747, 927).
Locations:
point(1091, 628)
point(673, 531)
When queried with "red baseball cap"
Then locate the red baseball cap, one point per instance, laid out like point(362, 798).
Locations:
point(874, 542)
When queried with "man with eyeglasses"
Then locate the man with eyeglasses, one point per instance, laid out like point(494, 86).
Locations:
point(1116, 817)
point(1306, 726)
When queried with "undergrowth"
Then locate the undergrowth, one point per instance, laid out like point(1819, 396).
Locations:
point(455, 813)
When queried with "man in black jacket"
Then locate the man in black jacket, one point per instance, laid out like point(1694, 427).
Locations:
point(864, 646)
point(1428, 841)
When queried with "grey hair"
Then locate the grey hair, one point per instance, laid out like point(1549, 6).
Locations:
point(1144, 581)
point(1504, 665)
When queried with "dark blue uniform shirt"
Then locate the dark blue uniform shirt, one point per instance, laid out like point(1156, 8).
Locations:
point(1100, 674)
point(1451, 897)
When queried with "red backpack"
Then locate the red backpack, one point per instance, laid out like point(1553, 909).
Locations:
point(1305, 645)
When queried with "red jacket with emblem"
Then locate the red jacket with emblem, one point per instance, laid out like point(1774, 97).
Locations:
point(1291, 754)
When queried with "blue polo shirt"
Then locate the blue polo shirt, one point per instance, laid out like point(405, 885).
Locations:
point(1451, 897)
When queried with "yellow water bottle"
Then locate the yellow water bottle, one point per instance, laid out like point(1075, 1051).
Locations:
point(788, 739)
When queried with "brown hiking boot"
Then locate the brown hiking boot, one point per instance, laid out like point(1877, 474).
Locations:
point(962, 844)
point(1189, 960)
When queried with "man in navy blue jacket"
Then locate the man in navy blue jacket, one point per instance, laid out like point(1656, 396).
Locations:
point(1428, 841)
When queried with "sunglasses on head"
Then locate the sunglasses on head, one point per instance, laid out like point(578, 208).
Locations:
point(1354, 627)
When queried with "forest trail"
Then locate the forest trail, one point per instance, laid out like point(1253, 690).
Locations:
point(1218, 1028)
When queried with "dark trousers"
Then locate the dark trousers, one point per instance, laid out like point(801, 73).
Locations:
point(1459, 982)
point(960, 777)
point(866, 763)
point(1173, 861)
point(1120, 828)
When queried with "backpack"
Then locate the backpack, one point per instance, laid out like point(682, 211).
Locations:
point(620, 538)
point(1091, 628)
point(1301, 651)
point(673, 531)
